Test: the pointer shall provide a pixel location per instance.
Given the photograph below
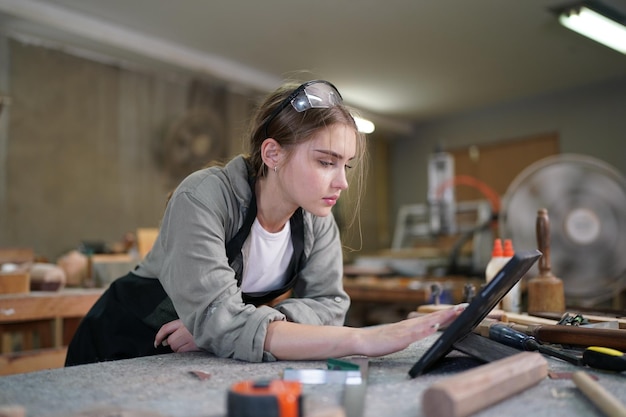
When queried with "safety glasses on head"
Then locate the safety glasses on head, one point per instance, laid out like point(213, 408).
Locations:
point(316, 94)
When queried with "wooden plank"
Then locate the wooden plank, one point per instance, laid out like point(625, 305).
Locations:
point(30, 361)
point(602, 398)
point(7, 342)
point(21, 335)
point(146, 236)
point(16, 255)
point(14, 282)
point(57, 332)
point(387, 295)
point(47, 305)
point(471, 391)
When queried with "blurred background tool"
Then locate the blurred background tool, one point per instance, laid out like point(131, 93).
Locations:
point(352, 373)
point(511, 337)
point(603, 399)
point(338, 371)
point(468, 392)
point(322, 376)
point(545, 291)
point(265, 398)
point(605, 358)
point(353, 393)
point(593, 356)
point(575, 335)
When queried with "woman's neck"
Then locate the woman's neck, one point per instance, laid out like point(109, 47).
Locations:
point(272, 210)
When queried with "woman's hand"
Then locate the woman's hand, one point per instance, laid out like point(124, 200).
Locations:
point(176, 335)
point(388, 338)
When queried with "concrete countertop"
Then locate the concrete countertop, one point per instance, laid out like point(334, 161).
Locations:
point(165, 385)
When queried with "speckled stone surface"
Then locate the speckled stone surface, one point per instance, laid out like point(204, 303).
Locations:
point(166, 385)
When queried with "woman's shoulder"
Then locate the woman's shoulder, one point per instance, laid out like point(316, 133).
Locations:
point(229, 179)
point(220, 192)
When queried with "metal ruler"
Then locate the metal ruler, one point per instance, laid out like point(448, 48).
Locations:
point(352, 373)
point(354, 395)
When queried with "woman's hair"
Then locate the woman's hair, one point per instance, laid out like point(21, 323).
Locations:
point(290, 128)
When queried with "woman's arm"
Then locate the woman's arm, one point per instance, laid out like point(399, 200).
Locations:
point(294, 341)
point(175, 335)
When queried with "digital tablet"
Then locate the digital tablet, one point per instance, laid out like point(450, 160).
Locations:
point(477, 309)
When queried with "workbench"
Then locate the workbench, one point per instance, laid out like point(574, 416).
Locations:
point(46, 320)
point(386, 299)
point(166, 385)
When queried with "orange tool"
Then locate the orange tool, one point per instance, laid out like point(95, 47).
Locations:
point(267, 398)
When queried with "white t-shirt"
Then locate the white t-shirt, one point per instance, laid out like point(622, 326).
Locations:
point(266, 258)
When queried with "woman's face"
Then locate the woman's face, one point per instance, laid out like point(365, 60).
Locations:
point(315, 173)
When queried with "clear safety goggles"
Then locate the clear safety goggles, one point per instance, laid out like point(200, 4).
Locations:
point(316, 94)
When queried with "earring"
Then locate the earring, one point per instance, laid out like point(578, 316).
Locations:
point(275, 168)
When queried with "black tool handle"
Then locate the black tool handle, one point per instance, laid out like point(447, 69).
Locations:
point(514, 338)
point(510, 337)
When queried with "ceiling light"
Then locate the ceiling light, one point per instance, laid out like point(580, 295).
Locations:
point(596, 22)
point(364, 125)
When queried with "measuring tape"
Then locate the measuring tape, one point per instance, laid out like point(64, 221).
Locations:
point(265, 398)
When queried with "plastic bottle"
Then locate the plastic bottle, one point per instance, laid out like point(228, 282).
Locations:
point(496, 262)
point(512, 300)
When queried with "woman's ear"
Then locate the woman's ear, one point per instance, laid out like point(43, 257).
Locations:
point(271, 153)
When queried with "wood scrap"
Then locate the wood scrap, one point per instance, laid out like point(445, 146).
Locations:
point(468, 392)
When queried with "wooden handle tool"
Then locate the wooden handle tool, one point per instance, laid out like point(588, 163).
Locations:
point(545, 291)
point(603, 399)
point(470, 391)
point(576, 335)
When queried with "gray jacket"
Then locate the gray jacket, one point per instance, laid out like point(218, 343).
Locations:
point(189, 258)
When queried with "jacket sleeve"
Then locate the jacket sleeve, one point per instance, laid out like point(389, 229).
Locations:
point(319, 295)
point(197, 277)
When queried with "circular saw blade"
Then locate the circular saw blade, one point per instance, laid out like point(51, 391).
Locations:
point(586, 202)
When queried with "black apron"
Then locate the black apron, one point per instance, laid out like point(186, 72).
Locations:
point(124, 321)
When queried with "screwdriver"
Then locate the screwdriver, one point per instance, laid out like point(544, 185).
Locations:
point(594, 356)
point(511, 337)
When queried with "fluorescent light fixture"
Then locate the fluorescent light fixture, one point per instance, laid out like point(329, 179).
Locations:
point(364, 125)
point(598, 23)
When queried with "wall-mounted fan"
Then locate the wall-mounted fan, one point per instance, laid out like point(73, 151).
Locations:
point(586, 202)
point(193, 141)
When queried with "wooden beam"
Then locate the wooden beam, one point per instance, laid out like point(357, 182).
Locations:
point(47, 305)
point(34, 360)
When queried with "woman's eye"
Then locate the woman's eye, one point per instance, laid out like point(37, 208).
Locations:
point(326, 163)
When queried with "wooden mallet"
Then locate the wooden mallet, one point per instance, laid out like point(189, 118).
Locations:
point(545, 291)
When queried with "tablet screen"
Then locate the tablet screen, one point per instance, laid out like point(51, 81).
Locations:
point(477, 310)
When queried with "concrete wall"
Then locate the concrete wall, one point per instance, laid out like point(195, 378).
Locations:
point(86, 149)
point(84, 145)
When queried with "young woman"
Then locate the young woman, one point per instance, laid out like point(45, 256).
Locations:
point(248, 262)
